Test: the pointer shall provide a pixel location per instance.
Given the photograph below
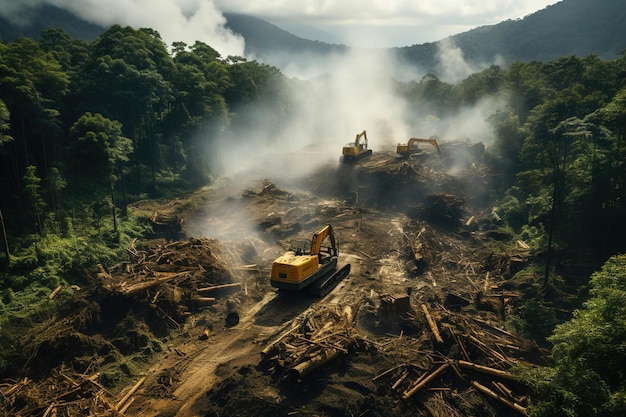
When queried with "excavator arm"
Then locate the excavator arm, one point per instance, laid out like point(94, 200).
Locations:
point(357, 140)
point(318, 239)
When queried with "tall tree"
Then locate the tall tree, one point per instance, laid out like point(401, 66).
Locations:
point(98, 153)
point(128, 72)
point(32, 186)
point(32, 85)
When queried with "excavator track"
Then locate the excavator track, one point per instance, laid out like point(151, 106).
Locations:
point(326, 284)
point(352, 159)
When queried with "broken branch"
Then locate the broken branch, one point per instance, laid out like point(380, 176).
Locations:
point(498, 397)
point(416, 388)
point(432, 324)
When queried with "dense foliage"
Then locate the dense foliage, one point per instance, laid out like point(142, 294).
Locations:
point(86, 127)
point(589, 356)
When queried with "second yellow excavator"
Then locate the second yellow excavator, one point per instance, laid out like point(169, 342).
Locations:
point(357, 149)
point(314, 270)
point(411, 147)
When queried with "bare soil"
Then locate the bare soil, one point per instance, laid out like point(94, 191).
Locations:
point(188, 324)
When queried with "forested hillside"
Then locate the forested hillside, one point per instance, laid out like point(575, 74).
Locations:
point(569, 27)
point(88, 127)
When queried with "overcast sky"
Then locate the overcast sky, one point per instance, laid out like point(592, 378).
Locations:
point(383, 23)
point(370, 23)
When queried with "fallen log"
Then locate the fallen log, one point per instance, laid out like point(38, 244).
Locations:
point(485, 369)
point(322, 345)
point(271, 345)
point(498, 397)
point(408, 394)
point(204, 299)
point(144, 285)
point(129, 394)
point(304, 368)
point(56, 291)
point(432, 324)
point(504, 390)
point(400, 380)
point(125, 407)
point(219, 287)
point(386, 372)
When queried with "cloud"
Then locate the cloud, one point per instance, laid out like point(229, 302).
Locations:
point(176, 20)
point(375, 23)
point(392, 22)
point(393, 11)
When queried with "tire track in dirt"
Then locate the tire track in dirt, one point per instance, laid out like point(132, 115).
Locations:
point(199, 376)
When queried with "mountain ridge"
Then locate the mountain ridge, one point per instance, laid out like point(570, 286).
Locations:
point(569, 27)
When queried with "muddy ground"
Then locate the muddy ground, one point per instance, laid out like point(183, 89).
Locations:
point(188, 324)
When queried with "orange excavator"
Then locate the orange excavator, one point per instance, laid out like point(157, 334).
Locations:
point(314, 270)
point(412, 147)
point(357, 149)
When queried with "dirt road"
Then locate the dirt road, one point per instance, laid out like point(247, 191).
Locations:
point(369, 240)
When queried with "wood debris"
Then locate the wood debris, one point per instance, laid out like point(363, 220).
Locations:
point(63, 393)
point(479, 353)
point(320, 337)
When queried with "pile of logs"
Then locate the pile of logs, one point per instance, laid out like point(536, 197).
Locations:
point(64, 393)
point(475, 352)
point(317, 338)
point(185, 274)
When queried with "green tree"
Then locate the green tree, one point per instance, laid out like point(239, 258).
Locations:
point(32, 186)
point(5, 137)
point(32, 86)
point(98, 152)
point(586, 377)
point(127, 80)
point(199, 111)
point(477, 86)
point(509, 136)
point(55, 183)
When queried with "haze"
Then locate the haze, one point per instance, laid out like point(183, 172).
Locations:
point(336, 97)
point(367, 23)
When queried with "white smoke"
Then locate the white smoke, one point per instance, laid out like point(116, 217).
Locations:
point(176, 20)
point(334, 98)
point(452, 66)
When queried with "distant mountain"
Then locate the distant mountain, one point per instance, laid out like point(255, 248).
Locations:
point(264, 39)
point(570, 27)
point(45, 17)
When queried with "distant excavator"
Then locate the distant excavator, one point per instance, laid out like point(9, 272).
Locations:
point(357, 149)
point(412, 147)
point(314, 270)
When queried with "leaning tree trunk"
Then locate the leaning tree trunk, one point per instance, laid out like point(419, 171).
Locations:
point(113, 207)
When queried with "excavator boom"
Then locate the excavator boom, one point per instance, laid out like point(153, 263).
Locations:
point(320, 236)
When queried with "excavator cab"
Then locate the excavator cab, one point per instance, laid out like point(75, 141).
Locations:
point(412, 147)
point(357, 149)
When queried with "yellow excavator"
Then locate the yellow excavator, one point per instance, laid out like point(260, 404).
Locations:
point(357, 149)
point(411, 147)
point(314, 270)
